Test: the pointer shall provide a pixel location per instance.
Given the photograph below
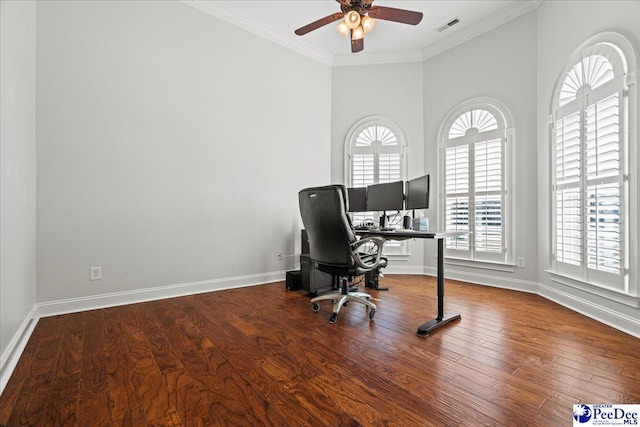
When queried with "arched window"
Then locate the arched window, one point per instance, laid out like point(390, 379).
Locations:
point(589, 130)
point(376, 153)
point(376, 150)
point(475, 166)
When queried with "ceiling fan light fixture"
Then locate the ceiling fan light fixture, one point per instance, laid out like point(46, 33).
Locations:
point(357, 33)
point(352, 19)
point(343, 29)
point(368, 24)
point(359, 17)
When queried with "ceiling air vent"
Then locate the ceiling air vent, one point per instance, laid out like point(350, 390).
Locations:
point(449, 24)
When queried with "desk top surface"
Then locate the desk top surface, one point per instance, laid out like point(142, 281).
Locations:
point(410, 234)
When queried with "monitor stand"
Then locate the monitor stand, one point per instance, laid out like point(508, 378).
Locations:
point(371, 277)
point(383, 220)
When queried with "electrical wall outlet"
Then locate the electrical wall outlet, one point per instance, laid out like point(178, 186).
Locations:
point(95, 273)
point(280, 255)
point(520, 262)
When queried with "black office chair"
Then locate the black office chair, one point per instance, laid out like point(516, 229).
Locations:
point(333, 245)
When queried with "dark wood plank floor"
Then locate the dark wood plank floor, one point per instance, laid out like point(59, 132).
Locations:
point(259, 356)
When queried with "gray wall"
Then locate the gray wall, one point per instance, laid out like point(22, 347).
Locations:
point(395, 92)
point(562, 27)
point(500, 64)
point(17, 176)
point(171, 147)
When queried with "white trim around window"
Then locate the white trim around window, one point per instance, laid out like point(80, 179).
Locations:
point(592, 127)
point(475, 161)
point(376, 152)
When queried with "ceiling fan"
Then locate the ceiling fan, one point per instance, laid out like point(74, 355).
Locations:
point(360, 18)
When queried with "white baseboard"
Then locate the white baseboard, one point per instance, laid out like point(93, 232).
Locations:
point(11, 355)
point(599, 312)
point(74, 305)
point(613, 318)
point(486, 279)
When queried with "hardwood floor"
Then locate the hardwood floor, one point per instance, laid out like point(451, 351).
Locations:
point(259, 356)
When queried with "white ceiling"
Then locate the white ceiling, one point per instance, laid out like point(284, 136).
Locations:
point(388, 42)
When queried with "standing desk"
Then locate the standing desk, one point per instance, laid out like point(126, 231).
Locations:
point(399, 234)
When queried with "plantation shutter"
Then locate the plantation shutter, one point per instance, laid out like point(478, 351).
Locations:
point(589, 186)
point(457, 195)
point(604, 183)
point(362, 170)
point(376, 157)
point(568, 200)
point(474, 186)
point(389, 167)
point(488, 197)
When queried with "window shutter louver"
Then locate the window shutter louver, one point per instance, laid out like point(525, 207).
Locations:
point(389, 168)
point(603, 185)
point(457, 191)
point(488, 199)
point(568, 226)
point(362, 170)
point(568, 200)
point(568, 153)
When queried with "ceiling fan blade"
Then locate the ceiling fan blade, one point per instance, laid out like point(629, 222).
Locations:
point(357, 45)
point(396, 15)
point(319, 23)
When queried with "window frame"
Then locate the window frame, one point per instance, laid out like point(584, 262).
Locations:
point(392, 248)
point(505, 132)
point(621, 54)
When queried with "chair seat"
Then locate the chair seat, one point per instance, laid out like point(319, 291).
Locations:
point(341, 270)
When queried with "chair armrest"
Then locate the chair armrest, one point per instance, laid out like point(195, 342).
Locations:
point(357, 257)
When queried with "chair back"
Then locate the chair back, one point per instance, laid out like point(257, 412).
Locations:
point(328, 226)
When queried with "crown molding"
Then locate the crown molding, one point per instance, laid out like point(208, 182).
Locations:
point(365, 58)
point(256, 28)
point(517, 9)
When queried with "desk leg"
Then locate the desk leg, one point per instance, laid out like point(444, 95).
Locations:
point(441, 320)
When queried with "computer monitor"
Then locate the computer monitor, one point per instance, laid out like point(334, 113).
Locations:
point(357, 199)
point(385, 197)
point(418, 193)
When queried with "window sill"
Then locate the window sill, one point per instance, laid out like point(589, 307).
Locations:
point(485, 265)
point(609, 293)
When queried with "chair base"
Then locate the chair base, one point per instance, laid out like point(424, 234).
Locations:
point(341, 298)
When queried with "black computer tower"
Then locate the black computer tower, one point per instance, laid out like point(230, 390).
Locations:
point(304, 239)
point(293, 280)
point(313, 280)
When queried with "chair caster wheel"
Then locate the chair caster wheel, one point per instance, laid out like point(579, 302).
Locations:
point(333, 318)
point(315, 306)
point(372, 314)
